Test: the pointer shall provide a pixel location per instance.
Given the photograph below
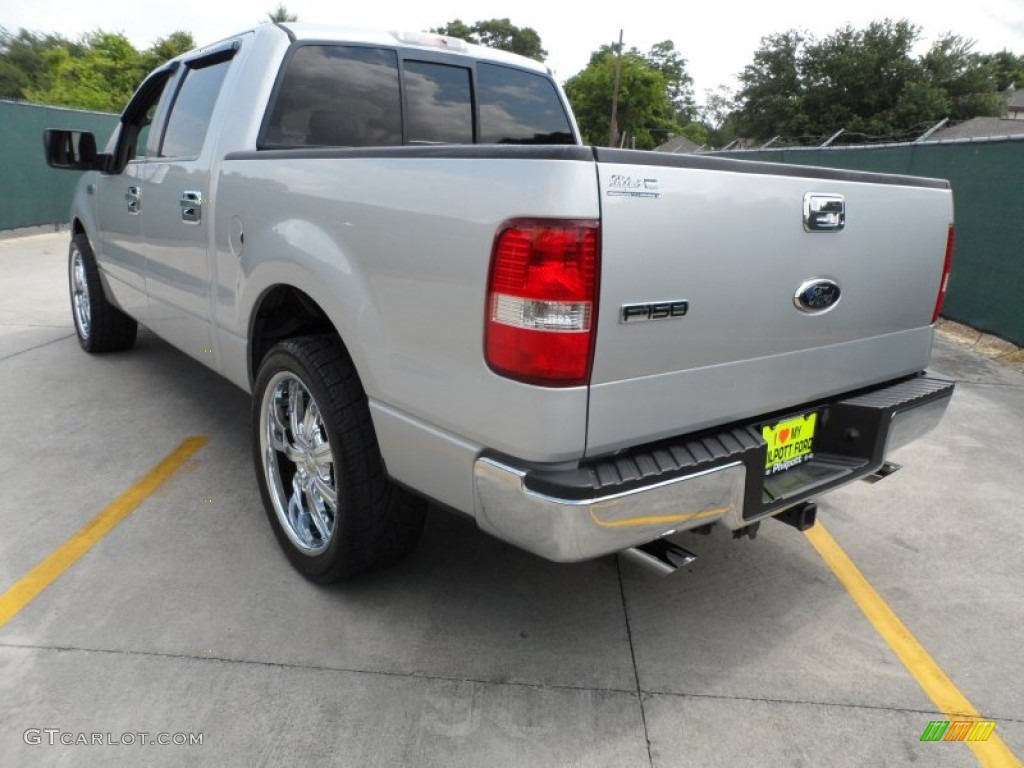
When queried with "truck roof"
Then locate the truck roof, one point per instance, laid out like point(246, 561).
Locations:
point(406, 39)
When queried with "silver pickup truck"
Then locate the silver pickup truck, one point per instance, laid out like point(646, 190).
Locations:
point(399, 246)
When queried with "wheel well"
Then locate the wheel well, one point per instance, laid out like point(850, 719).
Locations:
point(77, 228)
point(283, 312)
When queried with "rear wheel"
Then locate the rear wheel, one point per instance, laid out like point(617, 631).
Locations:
point(331, 505)
point(101, 327)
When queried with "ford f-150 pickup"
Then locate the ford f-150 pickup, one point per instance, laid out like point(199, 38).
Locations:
point(398, 244)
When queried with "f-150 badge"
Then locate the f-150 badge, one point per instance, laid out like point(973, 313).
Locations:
point(654, 310)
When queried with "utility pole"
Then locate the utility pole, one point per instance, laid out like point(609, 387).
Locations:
point(613, 128)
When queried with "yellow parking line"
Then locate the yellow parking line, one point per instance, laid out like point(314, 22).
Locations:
point(39, 578)
point(915, 658)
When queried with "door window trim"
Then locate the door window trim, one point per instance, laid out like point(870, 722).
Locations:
point(135, 111)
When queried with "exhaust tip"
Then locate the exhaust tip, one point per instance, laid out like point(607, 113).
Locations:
point(660, 556)
point(883, 472)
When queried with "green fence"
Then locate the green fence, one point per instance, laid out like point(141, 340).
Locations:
point(986, 288)
point(35, 193)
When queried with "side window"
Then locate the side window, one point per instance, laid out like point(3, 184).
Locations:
point(518, 107)
point(337, 96)
point(150, 146)
point(145, 146)
point(139, 117)
point(141, 132)
point(192, 109)
point(439, 109)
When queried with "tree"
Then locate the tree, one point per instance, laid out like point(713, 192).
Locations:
point(102, 78)
point(23, 62)
point(497, 33)
point(771, 92)
point(718, 115)
point(102, 70)
point(166, 48)
point(666, 59)
point(280, 15)
point(968, 81)
point(865, 81)
point(696, 132)
point(645, 112)
point(655, 97)
point(1007, 68)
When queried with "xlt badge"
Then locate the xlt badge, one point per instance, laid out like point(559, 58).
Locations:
point(654, 310)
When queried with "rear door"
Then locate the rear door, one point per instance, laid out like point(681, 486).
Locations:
point(178, 200)
point(702, 263)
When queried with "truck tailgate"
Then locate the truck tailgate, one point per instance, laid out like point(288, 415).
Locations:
point(728, 238)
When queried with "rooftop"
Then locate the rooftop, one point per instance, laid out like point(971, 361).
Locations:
point(979, 127)
point(677, 145)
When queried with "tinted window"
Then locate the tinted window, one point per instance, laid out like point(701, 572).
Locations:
point(439, 110)
point(143, 138)
point(151, 148)
point(142, 146)
point(190, 115)
point(333, 95)
point(519, 107)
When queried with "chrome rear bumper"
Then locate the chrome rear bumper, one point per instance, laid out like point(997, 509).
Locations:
point(612, 504)
point(565, 530)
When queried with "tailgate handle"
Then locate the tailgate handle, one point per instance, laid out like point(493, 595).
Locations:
point(824, 212)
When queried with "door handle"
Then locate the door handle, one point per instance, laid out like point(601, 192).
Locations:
point(133, 200)
point(192, 207)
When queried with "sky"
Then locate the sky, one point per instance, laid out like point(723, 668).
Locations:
point(717, 40)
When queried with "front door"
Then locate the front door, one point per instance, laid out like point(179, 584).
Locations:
point(119, 246)
point(119, 249)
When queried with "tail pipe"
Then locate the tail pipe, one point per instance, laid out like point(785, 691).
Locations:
point(660, 556)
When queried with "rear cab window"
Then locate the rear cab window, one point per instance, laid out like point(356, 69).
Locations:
point(439, 103)
point(348, 95)
point(336, 95)
point(518, 107)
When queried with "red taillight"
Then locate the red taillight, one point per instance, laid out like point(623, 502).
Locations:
point(946, 267)
point(542, 301)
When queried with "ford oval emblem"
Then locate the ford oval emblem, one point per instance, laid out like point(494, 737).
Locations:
point(817, 295)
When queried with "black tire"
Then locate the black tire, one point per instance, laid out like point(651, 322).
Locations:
point(100, 326)
point(373, 523)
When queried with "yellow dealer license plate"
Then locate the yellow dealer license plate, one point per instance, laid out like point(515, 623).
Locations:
point(790, 442)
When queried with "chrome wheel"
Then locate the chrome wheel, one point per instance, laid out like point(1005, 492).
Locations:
point(80, 305)
point(298, 463)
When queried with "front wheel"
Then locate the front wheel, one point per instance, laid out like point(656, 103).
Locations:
point(100, 326)
point(331, 505)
